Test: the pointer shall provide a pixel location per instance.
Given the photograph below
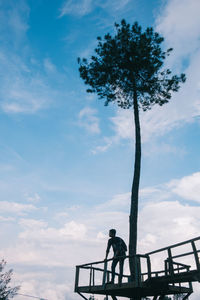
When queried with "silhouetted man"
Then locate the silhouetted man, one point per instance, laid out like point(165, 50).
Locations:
point(119, 249)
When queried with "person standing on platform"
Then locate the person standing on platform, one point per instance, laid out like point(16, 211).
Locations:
point(119, 249)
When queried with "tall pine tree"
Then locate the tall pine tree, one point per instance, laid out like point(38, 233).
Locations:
point(127, 68)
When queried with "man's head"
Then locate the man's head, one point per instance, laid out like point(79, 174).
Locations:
point(112, 233)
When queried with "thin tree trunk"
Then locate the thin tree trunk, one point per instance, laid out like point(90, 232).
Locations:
point(135, 189)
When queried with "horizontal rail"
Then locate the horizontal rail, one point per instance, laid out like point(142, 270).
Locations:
point(185, 254)
point(163, 271)
point(102, 270)
point(173, 246)
point(110, 259)
point(89, 268)
point(179, 264)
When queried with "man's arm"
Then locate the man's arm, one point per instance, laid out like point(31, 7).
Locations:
point(108, 248)
point(124, 245)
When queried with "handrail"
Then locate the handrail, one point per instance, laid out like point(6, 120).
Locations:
point(91, 268)
point(173, 246)
point(110, 259)
point(185, 254)
point(179, 264)
point(102, 270)
point(163, 271)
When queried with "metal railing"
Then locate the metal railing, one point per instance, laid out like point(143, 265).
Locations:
point(170, 266)
point(106, 272)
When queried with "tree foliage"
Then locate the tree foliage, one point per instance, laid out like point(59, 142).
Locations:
point(130, 61)
point(6, 292)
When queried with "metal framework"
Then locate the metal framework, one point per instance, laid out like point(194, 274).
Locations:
point(166, 271)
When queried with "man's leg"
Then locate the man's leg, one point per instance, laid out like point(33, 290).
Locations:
point(121, 267)
point(114, 263)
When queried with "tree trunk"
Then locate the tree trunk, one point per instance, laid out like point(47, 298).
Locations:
point(135, 189)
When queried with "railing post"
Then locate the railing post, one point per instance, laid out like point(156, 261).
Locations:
point(137, 270)
point(90, 277)
point(104, 273)
point(149, 267)
point(108, 276)
point(196, 255)
point(166, 267)
point(171, 269)
point(93, 277)
point(76, 279)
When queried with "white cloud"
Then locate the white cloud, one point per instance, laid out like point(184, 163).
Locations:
point(61, 215)
point(18, 19)
point(111, 6)
point(24, 87)
point(32, 224)
point(22, 92)
point(180, 24)
point(84, 7)
point(67, 212)
point(108, 142)
point(187, 187)
point(37, 230)
point(124, 124)
point(49, 66)
point(167, 222)
point(76, 7)
point(15, 207)
point(14, 21)
point(89, 120)
point(6, 219)
point(46, 284)
point(162, 147)
point(118, 202)
point(73, 230)
point(35, 198)
point(158, 193)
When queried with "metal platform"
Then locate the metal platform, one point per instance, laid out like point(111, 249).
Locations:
point(167, 271)
point(131, 290)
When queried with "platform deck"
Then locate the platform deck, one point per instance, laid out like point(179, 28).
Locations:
point(130, 290)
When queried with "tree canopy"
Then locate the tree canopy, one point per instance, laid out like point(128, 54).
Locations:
point(130, 61)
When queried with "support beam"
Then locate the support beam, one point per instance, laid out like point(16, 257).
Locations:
point(82, 296)
point(187, 296)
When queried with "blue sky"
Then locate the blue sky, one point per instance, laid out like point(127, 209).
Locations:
point(66, 161)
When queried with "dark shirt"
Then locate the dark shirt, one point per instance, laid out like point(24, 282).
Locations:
point(118, 245)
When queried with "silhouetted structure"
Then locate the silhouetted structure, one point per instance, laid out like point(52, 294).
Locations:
point(167, 271)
